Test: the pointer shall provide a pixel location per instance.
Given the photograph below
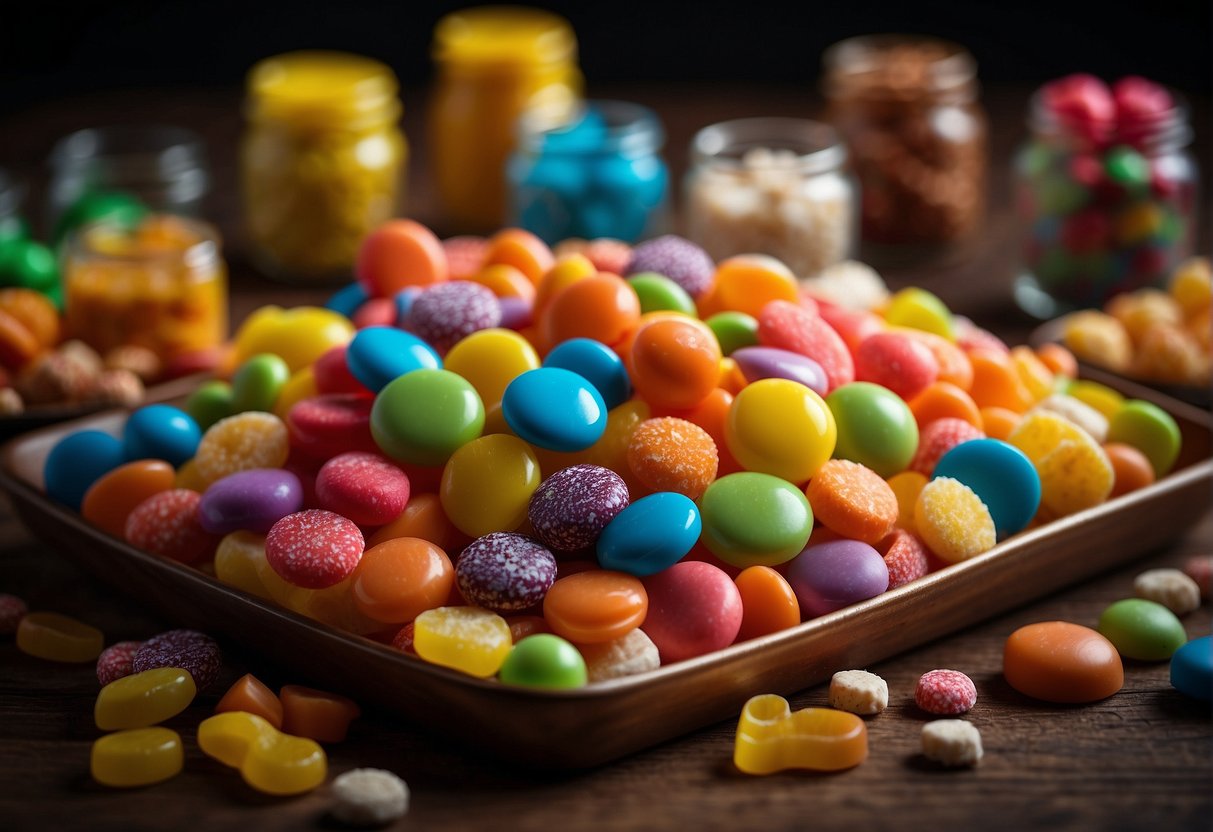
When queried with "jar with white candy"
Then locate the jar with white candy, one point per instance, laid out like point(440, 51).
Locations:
point(775, 186)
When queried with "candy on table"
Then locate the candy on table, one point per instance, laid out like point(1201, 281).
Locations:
point(143, 699)
point(545, 661)
point(194, 652)
point(111, 499)
point(782, 428)
point(488, 484)
point(953, 521)
point(1002, 477)
point(269, 760)
point(625, 656)
point(595, 606)
point(138, 757)
point(505, 572)
point(58, 638)
point(751, 518)
point(167, 524)
point(316, 714)
point(771, 737)
point(694, 608)
point(852, 500)
point(1200, 569)
point(1057, 661)
point(467, 639)
point(77, 461)
point(369, 797)
point(952, 742)
point(252, 500)
point(1142, 629)
point(668, 454)
point(362, 487)
point(835, 574)
point(399, 579)
point(115, 661)
point(858, 692)
point(905, 556)
point(423, 417)
point(241, 443)
point(1169, 587)
point(939, 437)
point(874, 427)
point(314, 548)
point(945, 692)
point(248, 694)
point(1192, 668)
point(12, 610)
point(572, 506)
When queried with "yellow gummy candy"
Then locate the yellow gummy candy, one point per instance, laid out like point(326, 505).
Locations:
point(136, 758)
point(143, 699)
point(953, 521)
point(58, 638)
point(269, 760)
point(771, 738)
point(469, 639)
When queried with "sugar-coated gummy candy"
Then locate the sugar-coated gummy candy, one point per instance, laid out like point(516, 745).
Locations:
point(447, 312)
point(1057, 661)
point(953, 521)
point(768, 602)
point(487, 485)
point(161, 431)
point(77, 461)
point(896, 361)
point(369, 797)
point(595, 606)
point(400, 578)
point(468, 639)
point(625, 656)
point(143, 699)
point(314, 548)
point(1169, 587)
point(190, 650)
point(240, 443)
point(596, 363)
point(781, 428)
point(751, 518)
point(905, 556)
point(1001, 475)
point(852, 500)
point(58, 638)
point(569, 509)
point(835, 574)
point(252, 500)
point(939, 437)
point(12, 610)
point(168, 524)
point(791, 326)
point(669, 454)
point(111, 499)
point(693, 608)
point(952, 742)
point(874, 427)
point(676, 258)
point(269, 761)
point(546, 661)
point(316, 714)
point(858, 692)
point(771, 738)
point(555, 409)
point(424, 416)
point(1078, 412)
point(250, 695)
point(505, 572)
point(1142, 629)
point(1075, 473)
point(362, 487)
point(139, 757)
point(321, 427)
point(115, 661)
point(945, 692)
point(1192, 668)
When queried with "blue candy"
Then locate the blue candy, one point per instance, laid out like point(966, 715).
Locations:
point(598, 364)
point(1001, 475)
point(347, 299)
point(555, 409)
point(161, 431)
point(404, 302)
point(77, 461)
point(650, 535)
point(379, 355)
point(1192, 668)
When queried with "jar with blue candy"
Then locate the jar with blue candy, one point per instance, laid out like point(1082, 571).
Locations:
point(1106, 192)
point(600, 175)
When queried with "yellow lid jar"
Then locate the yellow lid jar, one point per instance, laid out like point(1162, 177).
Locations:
point(495, 64)
point(322, 161)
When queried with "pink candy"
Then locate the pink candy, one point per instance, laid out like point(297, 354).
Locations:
point(945, 692)
point(167, 524)
point(325, 426)
point(362, 487)
point(694, 608)
point(116, 661)
point(896, 361)
point(939, 437)
point(314, 549)
point(791, 327)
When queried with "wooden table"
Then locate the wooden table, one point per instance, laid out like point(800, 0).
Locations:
point(1140, 760)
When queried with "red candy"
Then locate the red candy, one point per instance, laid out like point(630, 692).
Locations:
point(939, 437)
point(375, 312)
point(116, 661)
point(896, 361)
point(465, 256)
point(790, 327)
point(12, 610)
point(365, 488)
point(314, 549)
point(192, 651)
point(324, 426)
point(694, 608)
point(333, 375)
point(166, 524)
point(403, 640)
point(905, 555)
point(945, 692)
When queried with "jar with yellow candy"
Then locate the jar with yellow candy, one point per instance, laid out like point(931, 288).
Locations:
point(495, 65)
point(322, 161)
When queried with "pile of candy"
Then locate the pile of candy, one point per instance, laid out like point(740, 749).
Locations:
point(534, 468)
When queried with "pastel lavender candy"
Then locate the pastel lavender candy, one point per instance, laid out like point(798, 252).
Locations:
point(677, 258)
point(516, 313)
point(758, 363)
point(505, 572)
point(833, 575)
point(192, 651)
point(570, 508)
point(447, 312)
point(251, 500)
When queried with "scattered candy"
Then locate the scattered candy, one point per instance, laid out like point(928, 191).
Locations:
point(1169, 587)
point(194, 652)
point(269, 760)
point(248, 694)
point(58, 638)
point(1057, 661)
point(771, 738)
point(1192, 668)
point(1142, 629)
point(143, 699)
point(316, 714)
point(945, 692)
point(369, 797)
point(952, 742)
point(858, 692)
point(140, 757)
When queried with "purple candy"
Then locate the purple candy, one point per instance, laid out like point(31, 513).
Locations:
point(677, 258)
point(505, 572)
point(570, 509)
point(250, 501)
point(516, 313)
point(447, 312)
point(769, 362)
point(190, 650)
point(833, 575)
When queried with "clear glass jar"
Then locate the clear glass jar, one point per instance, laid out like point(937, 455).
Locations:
point(775, 186)
point(601, 175)
point(322, 161)
point(907, 107)
point(1102, 215)
point(496, 65)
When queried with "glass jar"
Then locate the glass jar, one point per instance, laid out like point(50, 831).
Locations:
point(908, 109)
point(602, 175)
point(1102, 211)
point(12, 194)
point(322, 161)
point(161, 284)
point(775, 186)
point(495, 65)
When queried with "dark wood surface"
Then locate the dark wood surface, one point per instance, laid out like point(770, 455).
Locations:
point(1139, 760)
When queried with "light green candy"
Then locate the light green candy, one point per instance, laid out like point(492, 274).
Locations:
point(755, 519)
point(1150, 429)
point(733, 330)
point(658, 293)
point(1143, 630)
point(544, 661)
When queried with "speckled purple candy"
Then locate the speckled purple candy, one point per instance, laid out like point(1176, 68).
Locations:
point(250, 500)
point(678, 259)
point(505, 572)
point(444, 314)
point(570, 509)
point(190, 650)
point(833, 575)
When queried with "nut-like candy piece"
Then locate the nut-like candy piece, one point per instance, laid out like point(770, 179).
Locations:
point(369, 797)
point(1169, 587)
point(952, 742)
point(859, 692)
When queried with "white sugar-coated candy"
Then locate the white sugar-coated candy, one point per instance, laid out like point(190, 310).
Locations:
point(626, 656)
point(952, 742)
point(369, 797)
point(1169, 587)
point(1078, 412)
point(850, 284)
point(859, 692)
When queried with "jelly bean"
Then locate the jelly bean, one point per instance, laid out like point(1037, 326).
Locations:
point(669, 454)
point(505, 572)
point(676, 258)
point(694, 609)
point(1142, 629)
point(425, 416)
point(191, 651)
point(905, 556)
point(423, 517)
point(167, 524)
point(939, 437)
point(250, 695)
point(945, 692)
point(250, 500)
point(919, 309)
point(521, 249)
point(633, 653)
point(767, 362)
point(364, 488)
point(874, 427)
point(346, 299)
point(444, 314)
point(490, 359)
point(298, 336)
point(832, 575)
point(752, 519)
point(325, 426)
point(748, 282)
point(658, 293)
point(953, 521)
point(128, 759)
point(111, 499)
point(314, 548)
point(1001, 475)
point(768, 602)
point(238, 560)
point(316, 714)
point(330, 374)
point(674, 362)
point(269, 760)
point(400, 578)
point(1075, 473)
point(209, 402)
point(650, 535)
point(852, 500)
point(544, 661)
point(771, 738)
point(143, 699)
point(115, 661)
point(1192, 668)
point(397, 254)
point(58, 638)
point(782, 428)
point(595, 606)
point(300, 386)
point(241, 443)
point(555, 409)
point(570, 508)
point(734, 331)
point(257, 383)
point(1057, 661)
point(381, 354)
point(896, 361)
point(1150, 429)
point(487, 484)
point(77, 461)
point(467, 639)
point(789, 326)
point(603, 307)
point(596, 363)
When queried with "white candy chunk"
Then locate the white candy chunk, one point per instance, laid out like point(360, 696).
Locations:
point(626, 656)
point(1169, 587)
point(859, 692)
point(369, 797)
point(952, 742)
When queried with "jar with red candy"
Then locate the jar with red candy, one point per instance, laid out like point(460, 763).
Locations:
point(1106, 192)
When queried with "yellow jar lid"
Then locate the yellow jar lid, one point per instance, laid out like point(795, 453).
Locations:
point(318, 85)
point(503, 36)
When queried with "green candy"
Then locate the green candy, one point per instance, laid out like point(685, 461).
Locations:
point(29, 264)
point(658, 293)
point(544, 661)
point(1059, 195)
point(733, 330)
point(754, 519)
point(1127, 167)
point(424, 416)
point(875, 427)
point(257, 383)
point(210, 402)
point(12, 228)
point(1143, 630)
point(1150, 429)
point(112, 206)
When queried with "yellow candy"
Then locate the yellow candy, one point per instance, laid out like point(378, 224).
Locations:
point(269, 760)
point(782, 428)
point(906, 487)
point(1037, 378)
point(136, 758)
point(953, 521)
point(299, 336)
point(1138, 222)
point(468, 639)
point(1099, 396)
point(143, 699)
point(238, 560)
point(487, 484)
point(919, 309)
point(1192, 286)
point(188, 477)
point(58, 638)
point(490, 359)
point(771, 738)
point(240, 443)
point(1075, 473)
point(301, 385)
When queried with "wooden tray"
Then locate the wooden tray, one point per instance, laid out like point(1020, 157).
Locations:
point(607, 720)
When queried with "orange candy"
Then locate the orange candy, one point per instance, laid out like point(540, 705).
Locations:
point(852, 500)
point(422, 517)
point(595, 606)
point(522, 626)
point(906, 487)
point(748, 282)
point(943, 398)
point(18, 346)
point(520, 249)
point(674, 362)
point(35, 311)
point(505, 282)
point(401, 578)
point(768, 602)
point(954, 365)
point(398, 254)
point(996, 382)
point(316, 714)
point(1062, 662)
point(566, 271)
point(249, 695)
point(1131, 468)
point(998, 422)
point(603, 307)
point(109, 500)
point(670, 454)
point(712, 414)
point(1058, 359)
